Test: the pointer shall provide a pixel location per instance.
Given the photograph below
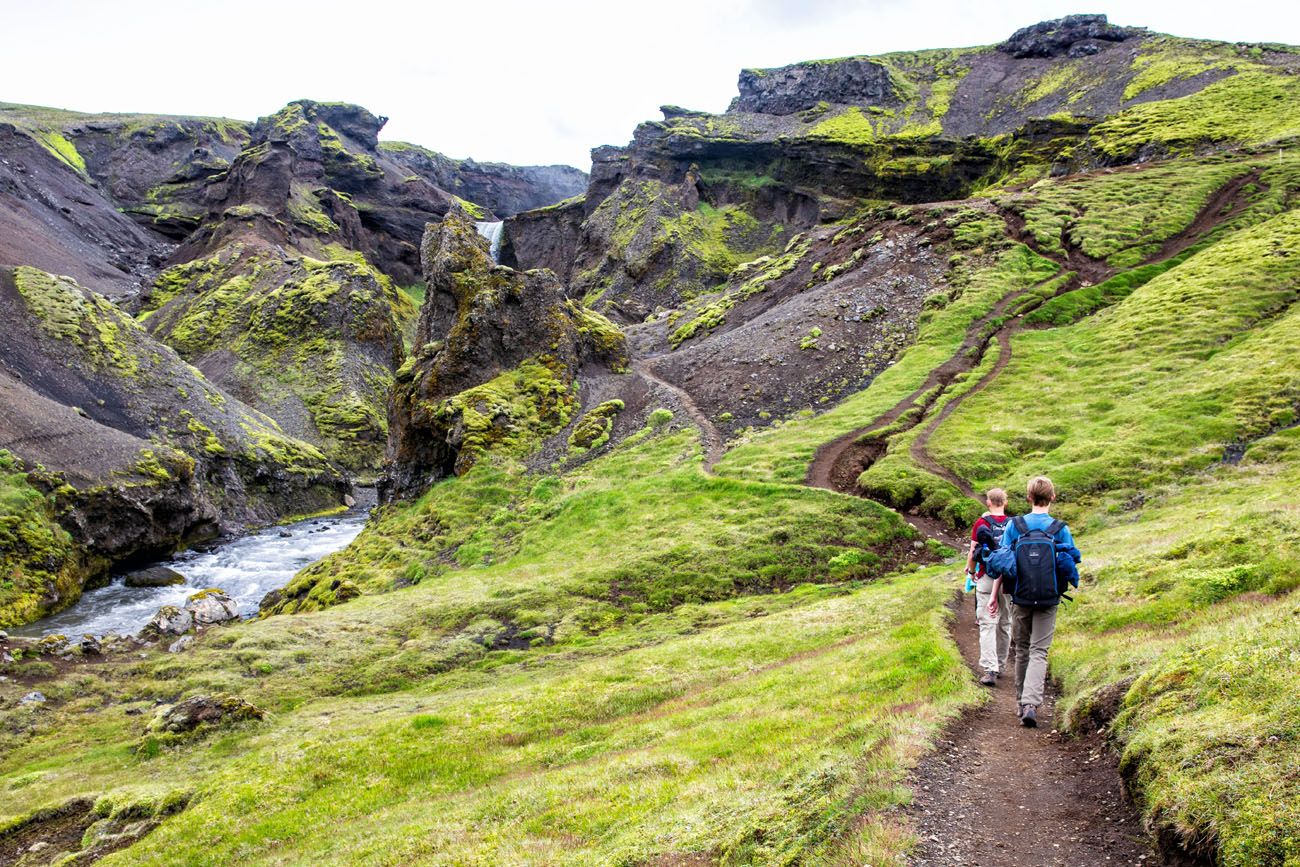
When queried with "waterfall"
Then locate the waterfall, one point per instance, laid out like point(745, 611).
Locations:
point(492, 231)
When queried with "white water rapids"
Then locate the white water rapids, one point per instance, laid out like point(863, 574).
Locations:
point(247, 568)
point(492, 231)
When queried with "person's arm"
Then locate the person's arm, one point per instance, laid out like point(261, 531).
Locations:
point(993, 597)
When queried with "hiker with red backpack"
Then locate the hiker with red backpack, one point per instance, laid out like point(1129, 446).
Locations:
point(1036, 564)
point(995, 628)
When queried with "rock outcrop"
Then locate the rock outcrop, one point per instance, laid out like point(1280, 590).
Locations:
point(312, 343)
point(1071, 36)
point(203, 712)
point(855, 81)
point(53, 219)
point(497, 351)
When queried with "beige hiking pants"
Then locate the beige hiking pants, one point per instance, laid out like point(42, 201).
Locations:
point(995, 632)
point(1031, 638)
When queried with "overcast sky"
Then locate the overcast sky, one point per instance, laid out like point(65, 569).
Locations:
point(522, 81)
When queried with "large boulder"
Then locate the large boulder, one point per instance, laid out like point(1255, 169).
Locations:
point(153, 576)
point(211, 606)
point(170, 620)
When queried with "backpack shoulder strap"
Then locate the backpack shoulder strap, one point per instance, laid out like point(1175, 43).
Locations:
point(1022, 527)
point(1054, 527)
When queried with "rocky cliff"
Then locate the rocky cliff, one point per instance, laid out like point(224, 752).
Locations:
point(696, 194)
point(136, 451)
point(499, 188)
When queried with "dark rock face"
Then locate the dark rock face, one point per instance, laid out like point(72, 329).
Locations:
point(51, 218)
point(157, 168)
point(311, 343)
point(312, 175)
point(858, 81)
point(1073, 36)
point(497, 353)
point(503, 189)
point(547, 238)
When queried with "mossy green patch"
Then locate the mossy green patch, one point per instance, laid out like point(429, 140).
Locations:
point(41, 569)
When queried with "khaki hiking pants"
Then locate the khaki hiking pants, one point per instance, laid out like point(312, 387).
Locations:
point(1031, 638)
point(995, 632)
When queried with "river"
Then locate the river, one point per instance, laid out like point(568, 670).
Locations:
point(247, 568)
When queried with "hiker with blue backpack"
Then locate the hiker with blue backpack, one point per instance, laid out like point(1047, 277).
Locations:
point(995, 629)
point(1036, 565)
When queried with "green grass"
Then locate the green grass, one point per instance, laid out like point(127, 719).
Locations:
point(1123, 217)
point(1186, 367)
point(740, 671)
point(1249, 108)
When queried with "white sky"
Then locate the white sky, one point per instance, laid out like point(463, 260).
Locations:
point(522, 81)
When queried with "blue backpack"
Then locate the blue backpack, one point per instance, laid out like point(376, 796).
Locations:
point(1037, 584)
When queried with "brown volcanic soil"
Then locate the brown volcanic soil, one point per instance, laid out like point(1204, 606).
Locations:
point(993, 793)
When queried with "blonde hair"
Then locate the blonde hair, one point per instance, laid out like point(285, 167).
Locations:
point(996, 497)
point(1041, 491)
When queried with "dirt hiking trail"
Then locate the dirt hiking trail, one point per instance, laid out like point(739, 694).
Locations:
point(994, 794)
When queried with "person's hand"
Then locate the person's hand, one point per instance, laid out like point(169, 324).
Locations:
point(993, 605)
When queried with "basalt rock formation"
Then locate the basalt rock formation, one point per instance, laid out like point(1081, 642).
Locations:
point(286, 294)
point(497, 353)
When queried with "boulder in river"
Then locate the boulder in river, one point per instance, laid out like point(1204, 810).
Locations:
point(212, 606)
point(171, 620)
point(153, 576)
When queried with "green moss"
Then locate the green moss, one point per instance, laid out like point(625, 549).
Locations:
point(592, 430)
point(606, 338)
point(294, 325)
point(58, 145)
point(1123, 217)
point(752, 277)
point(1166, 59)
point(89, 322)
point(1249, 108)
point(849, 127)
point(512, 412)
point(477, 212)
point(41, 569)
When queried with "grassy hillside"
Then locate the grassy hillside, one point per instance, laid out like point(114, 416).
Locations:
point(567, 656)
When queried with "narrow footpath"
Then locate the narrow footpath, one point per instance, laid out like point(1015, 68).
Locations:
point(994, 794)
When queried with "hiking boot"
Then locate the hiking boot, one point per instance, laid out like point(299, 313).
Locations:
point(990, 678)
point(1028, 716)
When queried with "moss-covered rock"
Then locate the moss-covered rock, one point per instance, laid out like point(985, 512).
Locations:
point(312, 343)
point(497, 354)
